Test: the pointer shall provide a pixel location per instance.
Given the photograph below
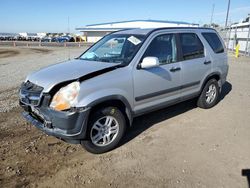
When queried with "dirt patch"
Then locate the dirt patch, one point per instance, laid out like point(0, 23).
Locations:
point(5, 53)
point(8, 53)
point(40, 50)
point(8, 99)
point(31, 150)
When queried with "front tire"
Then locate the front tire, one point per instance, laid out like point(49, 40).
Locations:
point(105, 130)
point(210, 95)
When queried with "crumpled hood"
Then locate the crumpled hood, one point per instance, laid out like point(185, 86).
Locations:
point(52, 75)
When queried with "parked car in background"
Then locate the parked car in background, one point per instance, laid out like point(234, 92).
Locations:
point(9, 36)
point(64, 39)
point(93, 99)
point(32, 37)
point(46, 39)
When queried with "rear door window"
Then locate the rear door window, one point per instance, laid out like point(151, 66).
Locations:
point(191, 46)
point(214, 42)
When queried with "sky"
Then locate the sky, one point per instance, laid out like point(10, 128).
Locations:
point(53, 15)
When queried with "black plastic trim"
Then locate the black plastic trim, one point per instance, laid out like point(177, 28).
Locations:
point(64, 125)
point(170, 28)
point(155, 107)
point(162, 92)
point(129, 111)
point(208, 77)
point(164, 105)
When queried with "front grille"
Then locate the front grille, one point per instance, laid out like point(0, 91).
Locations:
point(29, 86)
point(30, 93)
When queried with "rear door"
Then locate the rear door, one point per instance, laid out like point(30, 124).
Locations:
point(195, 64)
point(219, 55)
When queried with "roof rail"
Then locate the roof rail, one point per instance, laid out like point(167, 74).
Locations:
point(195, 28)
point(166, 28)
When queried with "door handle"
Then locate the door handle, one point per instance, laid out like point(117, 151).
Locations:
point(173, 69)
point(207, 62)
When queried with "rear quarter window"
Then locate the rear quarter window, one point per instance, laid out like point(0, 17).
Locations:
point(214, 42)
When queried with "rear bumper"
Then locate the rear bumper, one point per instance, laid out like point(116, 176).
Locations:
point(224, 74)
point(70, 126)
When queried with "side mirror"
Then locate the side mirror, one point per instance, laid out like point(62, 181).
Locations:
point(149, 62)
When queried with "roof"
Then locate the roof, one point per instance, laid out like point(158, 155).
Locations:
point(156, 21)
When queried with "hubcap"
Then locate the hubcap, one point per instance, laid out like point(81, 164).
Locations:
point(211, 94)
point(104, 131)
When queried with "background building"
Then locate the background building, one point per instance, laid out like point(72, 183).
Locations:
point(93, 33)
point(238, 33)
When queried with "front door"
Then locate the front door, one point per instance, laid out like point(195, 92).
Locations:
point(158, 85)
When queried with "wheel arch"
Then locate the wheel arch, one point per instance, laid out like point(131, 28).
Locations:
point(116, 101)
point(215, 75)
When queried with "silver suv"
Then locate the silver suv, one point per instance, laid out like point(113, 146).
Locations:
point(93, 99)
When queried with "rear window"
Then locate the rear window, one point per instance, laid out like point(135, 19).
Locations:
point(191, 46)
point(214, 42)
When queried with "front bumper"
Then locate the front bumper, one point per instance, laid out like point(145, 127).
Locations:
point(70, 126)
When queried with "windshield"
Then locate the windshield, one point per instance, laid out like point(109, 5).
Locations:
point(114, 48)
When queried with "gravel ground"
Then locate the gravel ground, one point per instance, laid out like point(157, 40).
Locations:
point(180, 146)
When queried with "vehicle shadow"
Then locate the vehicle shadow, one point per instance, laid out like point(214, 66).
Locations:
point(246, 172)
point(226, 88)
point(146, 121)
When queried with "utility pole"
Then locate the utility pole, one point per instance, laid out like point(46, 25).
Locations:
point(248, 35)
point(212, 15)
point(228, 7)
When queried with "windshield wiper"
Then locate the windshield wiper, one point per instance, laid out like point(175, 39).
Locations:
point(105, 60)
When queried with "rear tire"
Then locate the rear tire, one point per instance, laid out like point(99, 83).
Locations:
point(210, 95)
point(105, 130)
